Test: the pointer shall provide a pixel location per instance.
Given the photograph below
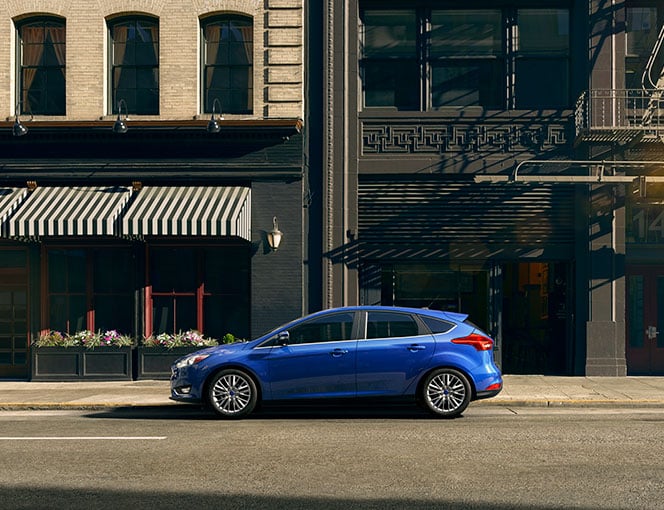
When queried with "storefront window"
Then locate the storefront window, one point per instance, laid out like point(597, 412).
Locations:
point(200, 288)
point(90, 289)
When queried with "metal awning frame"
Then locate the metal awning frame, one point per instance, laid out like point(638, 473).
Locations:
point(598, 167)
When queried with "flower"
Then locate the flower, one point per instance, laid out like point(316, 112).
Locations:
point(85, 338)
point(190, 338)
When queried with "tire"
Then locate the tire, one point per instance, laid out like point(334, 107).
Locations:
point(232, 394)
point(446, 393)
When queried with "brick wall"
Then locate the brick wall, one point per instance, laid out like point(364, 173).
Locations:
point(278, 53)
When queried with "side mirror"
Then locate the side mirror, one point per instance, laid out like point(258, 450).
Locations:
point(283, 338)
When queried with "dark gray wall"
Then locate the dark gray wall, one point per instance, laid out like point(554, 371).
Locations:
point(277, 294)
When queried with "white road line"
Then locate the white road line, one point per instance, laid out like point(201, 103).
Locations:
point(82, 438)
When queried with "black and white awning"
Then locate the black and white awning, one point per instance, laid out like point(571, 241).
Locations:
point(10, 200)
point(189, 211)
point(69, 211)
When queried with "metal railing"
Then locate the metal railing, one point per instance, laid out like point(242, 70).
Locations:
point(637, 110)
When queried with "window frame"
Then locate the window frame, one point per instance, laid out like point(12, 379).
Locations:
point(503, 96)
point(24, 106)
point(228, 106)
point(198, 291)
point(88, 293)
point(413, 319)
point(132, 106)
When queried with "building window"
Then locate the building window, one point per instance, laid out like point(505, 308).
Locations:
point(203, 288)
point(642, 29)
point(135, 65)
point(41, 69)
point(427, 59)
point(228, 64)
point(90, 289)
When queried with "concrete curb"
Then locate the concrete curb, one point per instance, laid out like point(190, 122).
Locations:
point(569, 403)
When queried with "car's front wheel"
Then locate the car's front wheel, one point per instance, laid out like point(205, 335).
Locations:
point(446, 392)
point(232, 394)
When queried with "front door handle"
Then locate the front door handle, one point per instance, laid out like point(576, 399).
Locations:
point(652, 332)
point(336, 353)
point(416, 347)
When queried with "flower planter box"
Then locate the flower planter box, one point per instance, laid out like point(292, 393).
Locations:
point(81, 364)
point(155, 362)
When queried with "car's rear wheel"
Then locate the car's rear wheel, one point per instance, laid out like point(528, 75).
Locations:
point(232, 394)
point(446, 392)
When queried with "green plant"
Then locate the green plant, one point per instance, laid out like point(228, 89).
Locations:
point(229, 338)
point(85, 338)
point(191, 338)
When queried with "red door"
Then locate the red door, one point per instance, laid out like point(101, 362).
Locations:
point(645, 320)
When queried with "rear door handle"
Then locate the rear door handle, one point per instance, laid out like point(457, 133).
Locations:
point(416, 347)
point(336, 353)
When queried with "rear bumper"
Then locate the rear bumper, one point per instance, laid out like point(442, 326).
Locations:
point(491, 391)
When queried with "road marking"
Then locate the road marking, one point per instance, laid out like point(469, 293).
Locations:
point(82, 438)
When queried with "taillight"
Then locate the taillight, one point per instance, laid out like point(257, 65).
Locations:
point(480, 342)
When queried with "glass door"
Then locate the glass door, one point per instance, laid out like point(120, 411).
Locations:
point(13, 332)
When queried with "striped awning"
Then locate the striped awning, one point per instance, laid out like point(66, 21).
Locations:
point(10, 199)
point(70, 211)
point(190, 211)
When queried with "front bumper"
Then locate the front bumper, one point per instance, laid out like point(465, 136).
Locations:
point(183, 388)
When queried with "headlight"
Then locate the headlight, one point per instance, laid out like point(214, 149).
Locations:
point(191, 360)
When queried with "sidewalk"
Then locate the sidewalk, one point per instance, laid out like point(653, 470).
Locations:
point(519, 390)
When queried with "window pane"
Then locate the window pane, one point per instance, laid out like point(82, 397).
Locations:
point(226, 315)
point(228, 64)
point(13, 258)
point(467, 83)
point(437, 325)
point(135, 73)
point(173, 269)
point(466, 32)
point(641, 34)
point(330, 328)
point(393, 83)
point(113, 271)
point(390, 325)
point(42, 74)
point(544, 31)
point(542, 83)
point(114, 312)
point(389, 34)
point(165, 309)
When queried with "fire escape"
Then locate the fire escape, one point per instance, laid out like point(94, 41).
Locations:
point(625, 116)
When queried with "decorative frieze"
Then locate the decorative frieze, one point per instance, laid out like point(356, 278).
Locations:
point(414, 138)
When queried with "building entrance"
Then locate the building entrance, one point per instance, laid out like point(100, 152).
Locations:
point(537, 325)
point(645, 320)
point(13, 329)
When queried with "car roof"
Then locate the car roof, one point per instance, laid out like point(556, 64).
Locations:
point(423, 311)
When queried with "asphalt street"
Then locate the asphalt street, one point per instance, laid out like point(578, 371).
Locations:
point(493, 458)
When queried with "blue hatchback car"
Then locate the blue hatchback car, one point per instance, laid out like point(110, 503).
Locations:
point(438, 359)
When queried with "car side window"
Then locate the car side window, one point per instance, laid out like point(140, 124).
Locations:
point(436, 325)
point(391, 325)
point(328, 328)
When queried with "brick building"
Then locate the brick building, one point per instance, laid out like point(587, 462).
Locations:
point(147, 148)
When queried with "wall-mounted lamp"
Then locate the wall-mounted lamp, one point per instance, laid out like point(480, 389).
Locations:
point(213, 125)
point(120, 126)
point(274, 237)
point(19, 129)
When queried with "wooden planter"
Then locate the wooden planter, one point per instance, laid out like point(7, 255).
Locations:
point(155, 362)
point(81, 364)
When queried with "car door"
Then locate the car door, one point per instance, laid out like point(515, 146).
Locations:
point(317, 360)
point(394, 351)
